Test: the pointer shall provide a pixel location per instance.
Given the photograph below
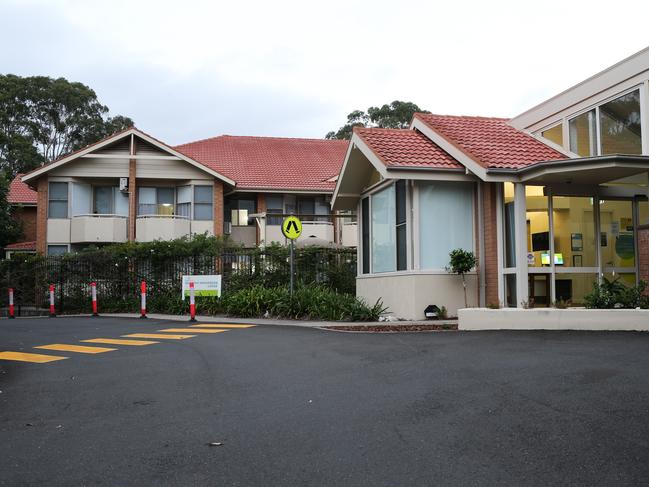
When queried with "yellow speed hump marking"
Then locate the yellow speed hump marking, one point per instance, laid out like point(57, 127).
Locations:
point(292, 227)
point(36, 358)
point(216, 325)
point(114, 341)
point(189, 330)
point(63, 347)
point(158, 335)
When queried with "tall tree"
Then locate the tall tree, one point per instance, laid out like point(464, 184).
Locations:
point(396, 115)
point(10, 228)
point(42, 119)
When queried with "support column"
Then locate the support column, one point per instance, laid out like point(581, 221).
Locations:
point(41, 215)
point(521, 245)
point(218, 207)
point(489, 259)
point(261, 208)
point(132, 192)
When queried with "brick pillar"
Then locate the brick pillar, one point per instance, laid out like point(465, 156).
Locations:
point(41, 215)
point(643, 253)
point(261, 208)
point(490, 258)
point(218, 207)
point(132, 199)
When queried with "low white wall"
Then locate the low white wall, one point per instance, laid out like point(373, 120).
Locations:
point(98, 229)
point(407, 294)
point(160, 228)
point(553, 319)
point(202, 226)
point(58, 230)
point(350, 234)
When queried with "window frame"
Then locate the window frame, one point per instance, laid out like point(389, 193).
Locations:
point(66, 199)
point(202, 204)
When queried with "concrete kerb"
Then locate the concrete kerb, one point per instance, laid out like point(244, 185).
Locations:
point(257, 321)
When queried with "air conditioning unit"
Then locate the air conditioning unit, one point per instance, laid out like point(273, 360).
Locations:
point(227, 228)
point(123, 184)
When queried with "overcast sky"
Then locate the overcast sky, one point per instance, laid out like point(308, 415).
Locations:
point(185, 70)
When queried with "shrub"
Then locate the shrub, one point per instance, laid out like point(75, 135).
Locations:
point(612, 294)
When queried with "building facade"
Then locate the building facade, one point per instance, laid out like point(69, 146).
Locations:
point(550, 201)
point(132, 187)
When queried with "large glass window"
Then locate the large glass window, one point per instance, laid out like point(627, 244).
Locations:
point(582, 130)
point(509, 226)
point(274, 205)
point(365, 236)
point(617, 238)
point(57, 249)
point(554, 134)
point(383, 234)
point(58, 200)
point(203, 203)
point(538, 227)
point(574, 231)
point(619, 121)
point(445, 222)
point(402, 252)
point(573, 287)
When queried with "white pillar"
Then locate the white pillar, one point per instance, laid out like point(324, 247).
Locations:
point(521, 244)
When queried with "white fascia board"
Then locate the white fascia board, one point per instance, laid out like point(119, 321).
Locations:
point(357, 142)
point(432, 175)
point(133, 131)
point(129, 156)
point(451, 149)
point(558, 169)
point(182, 156)
point(40, 171)
point(604, 80)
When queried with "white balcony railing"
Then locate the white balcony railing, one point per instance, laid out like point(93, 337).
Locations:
point(98, 228)
point(161, 227)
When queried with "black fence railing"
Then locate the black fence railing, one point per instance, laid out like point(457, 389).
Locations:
point(118, 277)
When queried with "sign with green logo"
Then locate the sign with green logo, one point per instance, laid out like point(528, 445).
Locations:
point(292, 227)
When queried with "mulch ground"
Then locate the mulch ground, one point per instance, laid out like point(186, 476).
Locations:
point(395, 328)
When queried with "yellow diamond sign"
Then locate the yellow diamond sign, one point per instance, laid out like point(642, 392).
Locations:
point(292, 227)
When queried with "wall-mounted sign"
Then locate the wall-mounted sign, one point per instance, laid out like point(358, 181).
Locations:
point(203, 285)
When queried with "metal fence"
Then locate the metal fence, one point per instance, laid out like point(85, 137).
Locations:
point(118, 277)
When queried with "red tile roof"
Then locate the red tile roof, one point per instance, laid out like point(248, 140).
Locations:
point(406, 148)
point(21, 246)
point(491, 142)
point(271, 162)
point(20, 193)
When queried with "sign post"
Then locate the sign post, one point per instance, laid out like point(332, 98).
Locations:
point(292, 229)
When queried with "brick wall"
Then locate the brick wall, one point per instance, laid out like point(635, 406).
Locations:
point(26, 215)
point(218, 207)
point(41, 215)
point(490, 259)
point(643, 253)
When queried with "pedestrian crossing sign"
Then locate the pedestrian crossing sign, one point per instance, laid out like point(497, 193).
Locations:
point(292, 227)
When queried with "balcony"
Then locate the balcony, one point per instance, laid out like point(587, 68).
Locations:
point(98, 228)
point(321, 230)
point(161, 227)
point(245, 235)
point(349, 237)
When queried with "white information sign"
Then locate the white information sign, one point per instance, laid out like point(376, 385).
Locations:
point(203, 285)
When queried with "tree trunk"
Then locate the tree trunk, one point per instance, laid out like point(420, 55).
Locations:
point(466, 305)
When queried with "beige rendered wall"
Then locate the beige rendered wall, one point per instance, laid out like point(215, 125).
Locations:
point(407, 295)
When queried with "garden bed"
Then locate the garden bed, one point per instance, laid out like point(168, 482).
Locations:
point(395, 328)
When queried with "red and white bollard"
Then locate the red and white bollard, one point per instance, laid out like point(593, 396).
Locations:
point(11, 303)
point(192, 302)
point(52, 312)
point(143, 300)
point(93, 290)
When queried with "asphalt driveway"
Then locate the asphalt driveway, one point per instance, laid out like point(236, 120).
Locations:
point(295, 406)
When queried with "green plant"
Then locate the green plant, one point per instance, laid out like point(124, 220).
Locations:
point(443, 313)
point(495, 305)
point(462, 261)
point(562, 303)
point(613, 294)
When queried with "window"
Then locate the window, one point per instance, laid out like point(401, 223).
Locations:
point(616, 221)
point(619, 122)
point(238, 209)
point(184, 201)
point(203, 203)
point(583, 140)
point(554, 134)
point(103, 200)
point(365, 234)
point(383, 230)
point(445, 221)
point(509, 226)
point(402, 253)
point(58, 200)
point(574, 231)
point(156, 201)
point(274, 205)
point(57, 249)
